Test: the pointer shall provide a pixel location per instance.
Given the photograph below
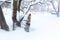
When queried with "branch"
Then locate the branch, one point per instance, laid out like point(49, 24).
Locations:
point(29, 9)
point(33, 5)
point(53, 6)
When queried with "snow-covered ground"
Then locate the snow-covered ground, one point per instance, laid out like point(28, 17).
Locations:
point(44, 26)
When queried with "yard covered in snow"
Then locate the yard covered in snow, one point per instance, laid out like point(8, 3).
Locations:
point(44, 26)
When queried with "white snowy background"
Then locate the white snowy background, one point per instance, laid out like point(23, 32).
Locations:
point(44, 26)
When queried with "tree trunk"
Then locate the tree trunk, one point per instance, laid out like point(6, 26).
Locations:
point(2, 21)
point(14, 13)
point(19, 3)
point(18, 23)
point(28, 23)
point(16, 7)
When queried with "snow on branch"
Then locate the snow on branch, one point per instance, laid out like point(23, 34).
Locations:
point(29, 9)
point(33, 5)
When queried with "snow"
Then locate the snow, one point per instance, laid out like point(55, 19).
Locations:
point(44, 26)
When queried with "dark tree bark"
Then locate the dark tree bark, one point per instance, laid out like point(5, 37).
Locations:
point(19, 4)
point(16, 7)
point(18, 23)
point(28, 23)
point(2, 21)
point(14, 13)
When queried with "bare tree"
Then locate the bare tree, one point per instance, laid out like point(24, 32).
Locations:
point(14, 13)
point(15, 9)
point(56, 11)
point(2, 21)
point(28, 23)
point(27, 26)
